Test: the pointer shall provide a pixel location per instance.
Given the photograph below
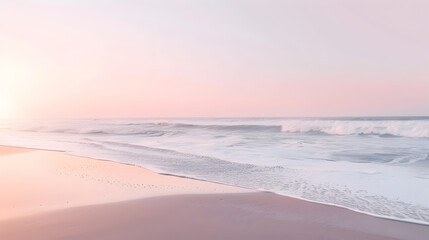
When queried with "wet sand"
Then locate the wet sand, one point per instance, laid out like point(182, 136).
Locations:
point(52, 195)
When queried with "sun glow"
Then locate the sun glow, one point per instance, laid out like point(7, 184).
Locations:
point(15, 76)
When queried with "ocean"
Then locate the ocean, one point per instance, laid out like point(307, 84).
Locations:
point(378, 166)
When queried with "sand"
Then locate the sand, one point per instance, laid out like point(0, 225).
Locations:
point(53, 195)
point(35, 181)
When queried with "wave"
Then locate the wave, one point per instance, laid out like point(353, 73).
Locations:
point(418, 128)
point(101, 131)
point(219, 127)
point(412, 128)
point(244, 127)
point(155, 128)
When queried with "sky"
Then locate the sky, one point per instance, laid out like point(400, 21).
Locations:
point(97, 59)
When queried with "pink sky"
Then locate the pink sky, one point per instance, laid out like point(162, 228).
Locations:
point(90, 59)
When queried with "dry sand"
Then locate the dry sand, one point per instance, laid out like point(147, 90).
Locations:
point(51, 195)
point(35, 181)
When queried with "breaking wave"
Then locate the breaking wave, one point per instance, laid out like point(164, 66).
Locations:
point(382, 128)
point(413, 128)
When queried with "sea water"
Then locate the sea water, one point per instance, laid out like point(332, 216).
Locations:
point(378, 166)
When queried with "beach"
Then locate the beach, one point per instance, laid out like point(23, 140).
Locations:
point(53, 195)
point(214, 120)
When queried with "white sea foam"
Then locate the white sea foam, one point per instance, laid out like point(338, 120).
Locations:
point(378, 166)
point(404, 128)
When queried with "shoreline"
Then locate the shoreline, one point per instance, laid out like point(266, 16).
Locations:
point(84, 185)
point(53, 170)
point(412, 221)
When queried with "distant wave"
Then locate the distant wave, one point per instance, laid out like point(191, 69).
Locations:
point(404, 128)
point(105, 130)
point(382, 128)
point(157, 128)
point(272, 128)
